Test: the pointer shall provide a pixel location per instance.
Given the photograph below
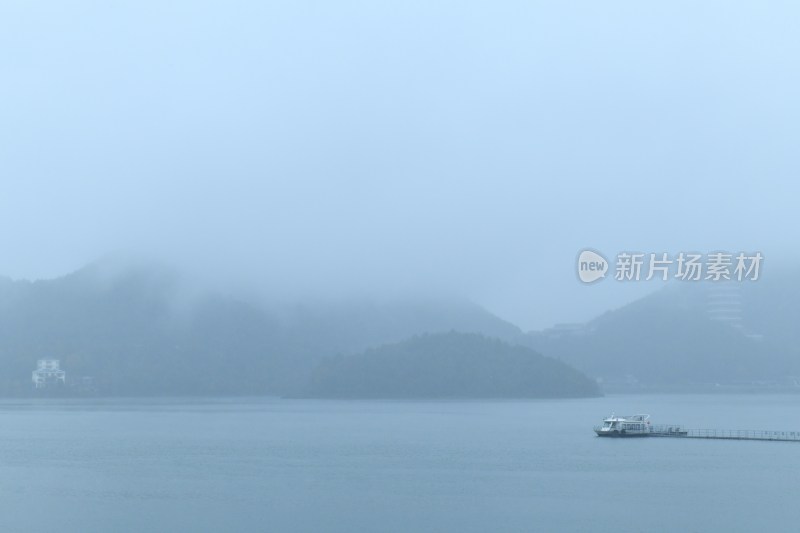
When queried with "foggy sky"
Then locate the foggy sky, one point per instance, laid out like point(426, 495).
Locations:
point(340, 147)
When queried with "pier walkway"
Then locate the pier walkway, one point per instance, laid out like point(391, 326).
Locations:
point(666, 430)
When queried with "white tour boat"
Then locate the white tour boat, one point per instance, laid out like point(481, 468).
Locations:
point(624, 426)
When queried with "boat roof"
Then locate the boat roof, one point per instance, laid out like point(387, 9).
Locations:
point(630, 418)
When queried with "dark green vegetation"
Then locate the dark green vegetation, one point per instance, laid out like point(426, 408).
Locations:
point(449, 365)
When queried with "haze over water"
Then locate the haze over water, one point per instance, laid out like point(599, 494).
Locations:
point(270, 185)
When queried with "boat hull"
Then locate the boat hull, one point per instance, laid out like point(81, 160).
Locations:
point(619, 434)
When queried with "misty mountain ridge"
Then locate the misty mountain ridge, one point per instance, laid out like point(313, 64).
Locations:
point(141, 328)
point(138, 328)
point(688, 336)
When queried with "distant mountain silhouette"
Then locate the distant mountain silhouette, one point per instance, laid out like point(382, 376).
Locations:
point(136, 329)
point(449, 365)
point(675, 339)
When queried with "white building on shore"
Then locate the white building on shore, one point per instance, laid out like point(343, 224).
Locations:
point(48, 373)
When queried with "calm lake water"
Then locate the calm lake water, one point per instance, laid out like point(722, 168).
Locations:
point(318, 466)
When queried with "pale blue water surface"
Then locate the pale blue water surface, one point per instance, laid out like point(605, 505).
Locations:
point(383, 466)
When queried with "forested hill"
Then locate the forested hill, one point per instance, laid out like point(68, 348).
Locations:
point(449, 365)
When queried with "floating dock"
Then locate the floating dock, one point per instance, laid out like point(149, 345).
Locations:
point(726, 434)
